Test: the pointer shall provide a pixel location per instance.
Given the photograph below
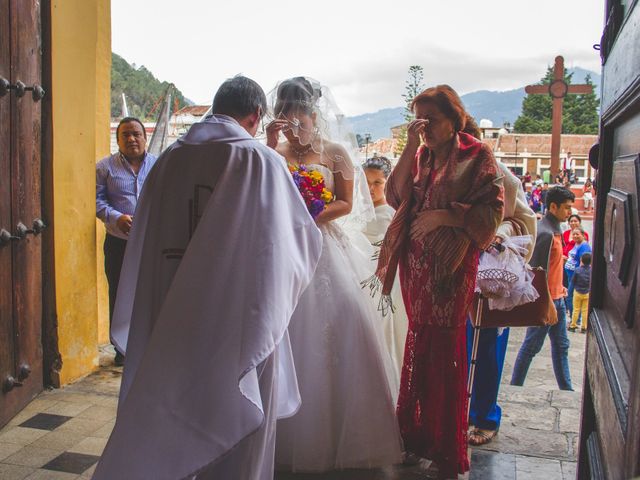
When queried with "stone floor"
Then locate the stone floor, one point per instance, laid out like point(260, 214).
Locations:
point(61, 434)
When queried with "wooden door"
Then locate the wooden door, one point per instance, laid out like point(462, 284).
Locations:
point(20, 206)
point(610, 433)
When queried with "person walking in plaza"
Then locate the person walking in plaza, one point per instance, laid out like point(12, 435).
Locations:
point(568, 167)
point(548, 255)
point(119, 181)
point(221, 250)
point(485, 414)
point(587, 195)
point(574, 221)
point(536, 198)
point(543, 198)
point(580, 247)
point(448, 197)
point(581, 285)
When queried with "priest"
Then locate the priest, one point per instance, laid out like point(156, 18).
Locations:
point(220, 252)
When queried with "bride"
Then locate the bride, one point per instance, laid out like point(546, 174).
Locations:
point(347, 418)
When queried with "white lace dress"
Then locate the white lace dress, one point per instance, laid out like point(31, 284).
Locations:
point(347, 418)
point(396, 323)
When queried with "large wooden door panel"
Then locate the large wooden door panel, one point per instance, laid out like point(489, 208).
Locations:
point(7, 332)
point(620, 250)
point(610, 430)
point(26, 60)
point(20, 185)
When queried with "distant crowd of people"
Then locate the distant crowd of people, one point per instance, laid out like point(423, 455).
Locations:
point(536, 188)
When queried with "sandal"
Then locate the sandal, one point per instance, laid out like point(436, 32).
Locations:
point(480, 436)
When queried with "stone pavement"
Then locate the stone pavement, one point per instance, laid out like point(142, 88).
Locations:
point(61, 434)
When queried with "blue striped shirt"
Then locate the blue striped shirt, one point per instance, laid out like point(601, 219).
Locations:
point(118, 189)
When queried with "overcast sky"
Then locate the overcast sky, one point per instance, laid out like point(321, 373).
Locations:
point(360, 49)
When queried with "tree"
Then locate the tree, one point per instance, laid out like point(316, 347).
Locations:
point(413, 86)
point(579, 112)
point(142, 89)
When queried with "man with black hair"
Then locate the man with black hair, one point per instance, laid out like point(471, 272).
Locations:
point(119, 180)
point(548, 255)
point(220, 252)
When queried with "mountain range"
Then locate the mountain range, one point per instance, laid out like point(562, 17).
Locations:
point(499, 107)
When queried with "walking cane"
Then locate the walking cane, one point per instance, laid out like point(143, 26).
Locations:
point(474, 351)
point(476, 338)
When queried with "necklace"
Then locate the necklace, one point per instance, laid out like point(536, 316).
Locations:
point(302, 151)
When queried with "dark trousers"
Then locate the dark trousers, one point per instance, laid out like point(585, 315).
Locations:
point(114, 248)
point(560, 344)
point(485, 412)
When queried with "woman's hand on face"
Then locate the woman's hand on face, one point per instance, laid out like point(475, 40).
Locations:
point(426, 222)
point(414, 129)
point(273, 131)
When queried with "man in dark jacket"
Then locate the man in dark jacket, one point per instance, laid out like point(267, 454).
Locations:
point(548, 255)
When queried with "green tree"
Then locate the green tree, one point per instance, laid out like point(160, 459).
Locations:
point(142, 90)
point(413, 86)
point(579, 112)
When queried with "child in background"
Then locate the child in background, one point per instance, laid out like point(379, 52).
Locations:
point(581, 281)
point(396, 323)
point(377, 169)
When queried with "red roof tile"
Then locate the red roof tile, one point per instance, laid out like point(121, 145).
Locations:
point(195, 110)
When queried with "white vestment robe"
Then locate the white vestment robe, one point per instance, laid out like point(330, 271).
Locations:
point(221, 248)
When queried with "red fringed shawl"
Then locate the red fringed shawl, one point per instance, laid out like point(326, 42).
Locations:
point(470, 182)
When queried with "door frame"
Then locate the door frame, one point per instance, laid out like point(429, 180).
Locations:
point(51, 358)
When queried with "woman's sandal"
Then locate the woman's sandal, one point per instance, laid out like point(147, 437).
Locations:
point(480, 436)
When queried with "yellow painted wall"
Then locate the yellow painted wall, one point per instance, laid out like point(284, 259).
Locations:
point(103, 146)
point(81, 63)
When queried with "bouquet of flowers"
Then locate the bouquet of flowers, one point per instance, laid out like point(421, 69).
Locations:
point(311, 185)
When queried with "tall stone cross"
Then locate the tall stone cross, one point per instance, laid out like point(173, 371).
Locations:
point(558, 89)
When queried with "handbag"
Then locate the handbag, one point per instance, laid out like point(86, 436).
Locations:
point(539, 313)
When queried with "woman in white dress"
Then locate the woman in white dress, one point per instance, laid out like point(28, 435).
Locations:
point(347, 418)
point(395, 321)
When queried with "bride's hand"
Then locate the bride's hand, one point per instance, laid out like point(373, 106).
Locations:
point(426, 222)
point(273, 132)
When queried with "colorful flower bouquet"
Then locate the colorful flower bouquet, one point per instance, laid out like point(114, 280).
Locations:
point(311, 185)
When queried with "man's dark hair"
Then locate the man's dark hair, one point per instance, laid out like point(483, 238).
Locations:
point(559, 195)
point(586, 259)
point(129, 120)
point(238, 97)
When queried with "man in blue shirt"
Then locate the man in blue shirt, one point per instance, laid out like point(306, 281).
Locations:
point(119, 180)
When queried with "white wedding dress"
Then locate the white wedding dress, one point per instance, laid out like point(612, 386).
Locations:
point(347, 418)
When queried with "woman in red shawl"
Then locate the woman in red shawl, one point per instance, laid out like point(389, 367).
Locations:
point(448, 196)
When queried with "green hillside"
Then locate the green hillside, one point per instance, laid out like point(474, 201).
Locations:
point(142, 89)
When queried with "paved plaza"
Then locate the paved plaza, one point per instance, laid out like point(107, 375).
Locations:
point(62, 433)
